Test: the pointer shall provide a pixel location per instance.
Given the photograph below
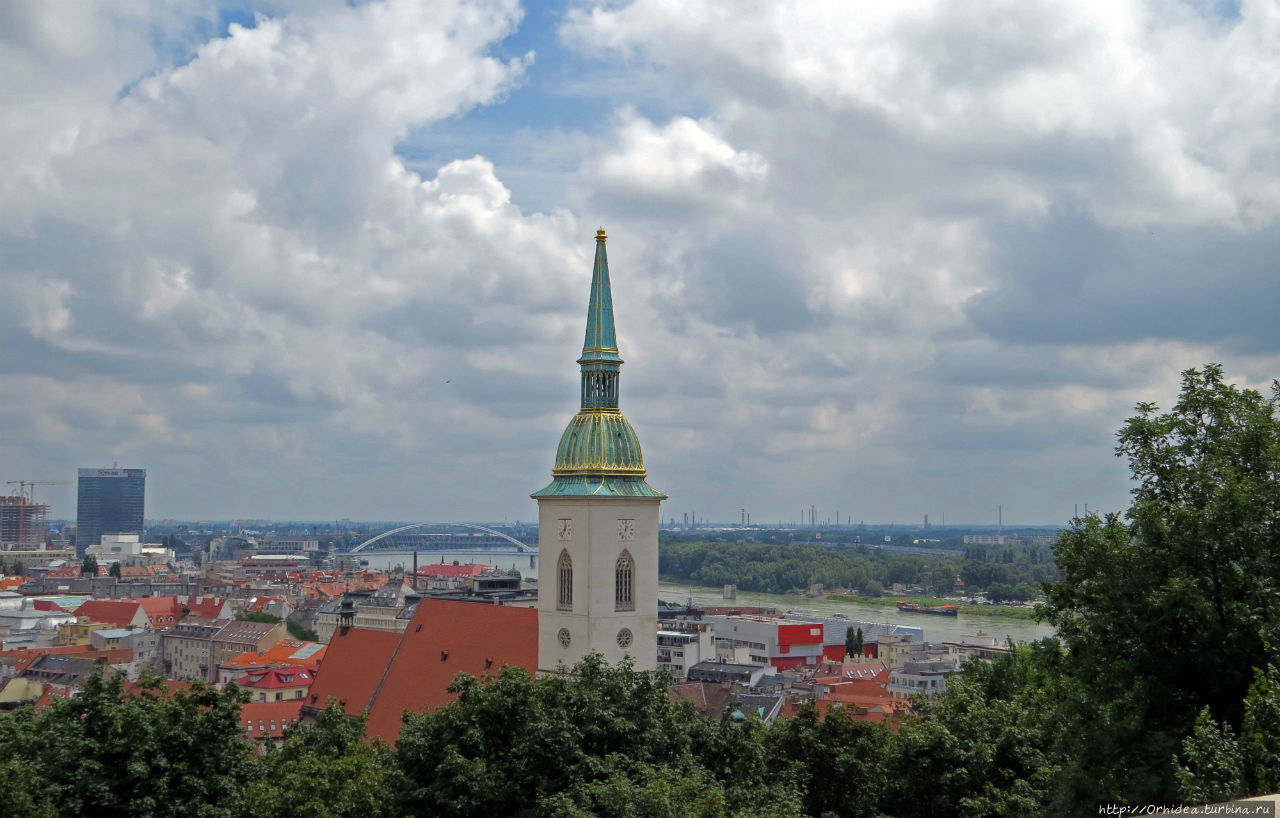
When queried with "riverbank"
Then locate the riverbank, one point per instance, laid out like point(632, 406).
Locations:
point(995, 619)
point(997, 611)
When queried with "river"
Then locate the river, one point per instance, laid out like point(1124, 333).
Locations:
point(936, 628)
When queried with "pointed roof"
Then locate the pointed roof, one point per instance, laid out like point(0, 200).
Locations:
point(601, 342)
point(388, 673)
point(599, 453)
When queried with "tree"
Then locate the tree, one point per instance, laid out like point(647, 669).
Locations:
point(1187, 581)
point(840, 763)
point(853, 641)
point(983, 746)
point(107, 753)
point(89, 567)
point(324, 770)
point(569, 742)
point(301, 632)
point(114, 570)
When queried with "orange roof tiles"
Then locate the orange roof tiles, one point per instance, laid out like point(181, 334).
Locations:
point(288, 652)
point(388, 673)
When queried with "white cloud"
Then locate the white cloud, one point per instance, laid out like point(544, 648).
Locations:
point(861, 252)
point(970, 212)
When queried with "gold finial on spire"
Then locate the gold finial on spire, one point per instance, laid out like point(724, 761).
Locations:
point(600, 236)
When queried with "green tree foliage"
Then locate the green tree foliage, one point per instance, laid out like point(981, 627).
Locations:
point(1216, 764)
point(507, 744)
point(104, 753)
point(853, 641)
point(324, 771)
point(257, 616)
point(89, 566)
point(780, 569)
point(114, 570)
point(982, 747)
point(301, 632)
point(839, 764)
point(1174, 608)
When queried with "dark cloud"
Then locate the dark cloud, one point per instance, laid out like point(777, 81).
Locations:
point(1071, 280)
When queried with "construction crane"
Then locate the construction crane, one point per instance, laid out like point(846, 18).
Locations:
point(27, 488)
point(23, 521)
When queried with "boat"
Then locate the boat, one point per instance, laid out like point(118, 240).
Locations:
point(936, 610)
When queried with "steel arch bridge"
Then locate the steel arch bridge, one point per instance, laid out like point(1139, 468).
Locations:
point(387, 539)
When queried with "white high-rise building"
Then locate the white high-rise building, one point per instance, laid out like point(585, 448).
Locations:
point(598, 519)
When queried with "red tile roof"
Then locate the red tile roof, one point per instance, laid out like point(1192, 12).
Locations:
point(450, 570)
point(210, 607)
point(389, 673)
point(278, 677)
point(264, 604)
point(161, 610)
point(119, 612)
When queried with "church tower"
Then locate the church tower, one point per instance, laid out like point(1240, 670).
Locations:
point(598, 519)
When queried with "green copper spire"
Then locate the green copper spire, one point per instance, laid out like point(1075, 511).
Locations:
point(601, 344)
point(599, 453)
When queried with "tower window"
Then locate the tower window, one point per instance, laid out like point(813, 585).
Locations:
point(623, 583)
point(564, 582)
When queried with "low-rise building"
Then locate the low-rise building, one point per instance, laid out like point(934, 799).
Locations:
point(78, 632)
point(743, 675)
point(288, 653)
point(681, 645)
point(928, 677)
point(237, 637)
point(275, 684)
point(378, 610)
point(266, 721)
point(187, 648)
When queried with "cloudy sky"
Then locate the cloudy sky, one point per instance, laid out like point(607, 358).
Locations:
point(313, 260)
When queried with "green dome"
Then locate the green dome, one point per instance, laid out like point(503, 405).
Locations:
point(601, 444)
point(599, 453)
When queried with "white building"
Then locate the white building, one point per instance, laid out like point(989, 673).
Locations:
point(598, 518)
point(682, 648)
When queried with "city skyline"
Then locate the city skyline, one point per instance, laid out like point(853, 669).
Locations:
point(325, 260)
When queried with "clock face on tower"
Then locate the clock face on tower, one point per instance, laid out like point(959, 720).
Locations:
point(565, 529)
point(626, 529)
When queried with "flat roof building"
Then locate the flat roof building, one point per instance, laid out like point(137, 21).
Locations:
point(108, 501)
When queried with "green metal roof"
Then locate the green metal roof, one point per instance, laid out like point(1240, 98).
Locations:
point(601, 343)
point(599, 453)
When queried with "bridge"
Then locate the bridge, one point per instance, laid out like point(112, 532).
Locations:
point(443, 537)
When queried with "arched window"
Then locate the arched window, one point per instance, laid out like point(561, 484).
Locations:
point(564, 582)
point(624, 572)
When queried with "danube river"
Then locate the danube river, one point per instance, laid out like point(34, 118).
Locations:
point(936, 628)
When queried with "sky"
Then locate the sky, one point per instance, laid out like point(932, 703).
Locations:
point(321, 260)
